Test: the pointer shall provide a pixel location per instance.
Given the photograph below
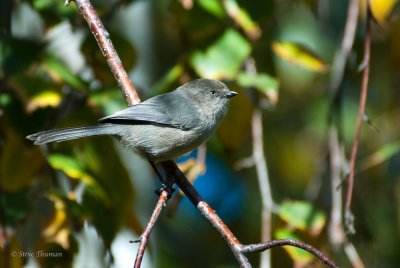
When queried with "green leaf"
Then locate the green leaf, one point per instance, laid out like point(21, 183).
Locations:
point(264, 83)
point(110, 100)
point(298, 255)
point(71, 167)
point(5, 99)
point(223, 59)
point(384, 153)
point(61, 73)
point(212, 6)
point(164, 83)
point(53, 12)
point(303, 216)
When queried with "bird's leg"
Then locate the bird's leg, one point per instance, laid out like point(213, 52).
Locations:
point(169, 189)
point(166, 182)
point(157, 172)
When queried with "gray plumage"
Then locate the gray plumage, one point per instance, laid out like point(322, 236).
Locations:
point(160, 128)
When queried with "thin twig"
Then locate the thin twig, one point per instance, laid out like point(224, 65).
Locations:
point(144, 238)
point(361, 110)
point(336, 233)
point(262, 172)
point(263, 181)
point(289, 242)
point(341, 55)
point(353, 256)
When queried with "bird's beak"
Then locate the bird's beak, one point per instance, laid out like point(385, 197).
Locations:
point(231, 94)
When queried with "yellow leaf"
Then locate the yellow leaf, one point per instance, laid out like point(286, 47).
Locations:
point(192, 169)
point(242, 18)
point(57, 230)
point(44, 99)
point(380, 9)
point(299, 55)
point(300, 257)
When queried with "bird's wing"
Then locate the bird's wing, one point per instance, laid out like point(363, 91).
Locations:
point(164, 110)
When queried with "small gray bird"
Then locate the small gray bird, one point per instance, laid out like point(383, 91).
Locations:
point(160, 128)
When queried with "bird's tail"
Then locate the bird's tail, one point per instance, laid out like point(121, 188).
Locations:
point(64, 134)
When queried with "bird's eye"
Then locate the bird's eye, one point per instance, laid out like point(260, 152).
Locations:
point(213, 92)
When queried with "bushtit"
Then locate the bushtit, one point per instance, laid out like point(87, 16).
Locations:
point(160, 128)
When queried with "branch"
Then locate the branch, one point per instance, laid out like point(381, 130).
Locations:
point(336, 233)
point(144, 238)
point(289, 242)
point(263, 181)
point(349, 218)
point(212, 217)
point(341, 55)
point(239, 250)
point(262, 172)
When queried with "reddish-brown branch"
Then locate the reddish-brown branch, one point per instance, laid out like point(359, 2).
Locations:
point(239, 250)
point(144, 238)
point(337, 236)
point(361, 110)
point(103, 40)
point(212, 217)
point(225, 233)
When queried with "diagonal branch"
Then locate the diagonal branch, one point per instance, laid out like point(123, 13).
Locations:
point(363, 99)
point(239, 250)
point(144, 238)
point(206, 211)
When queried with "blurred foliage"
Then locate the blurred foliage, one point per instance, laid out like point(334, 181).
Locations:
point(276, 54)
point(298, 55)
